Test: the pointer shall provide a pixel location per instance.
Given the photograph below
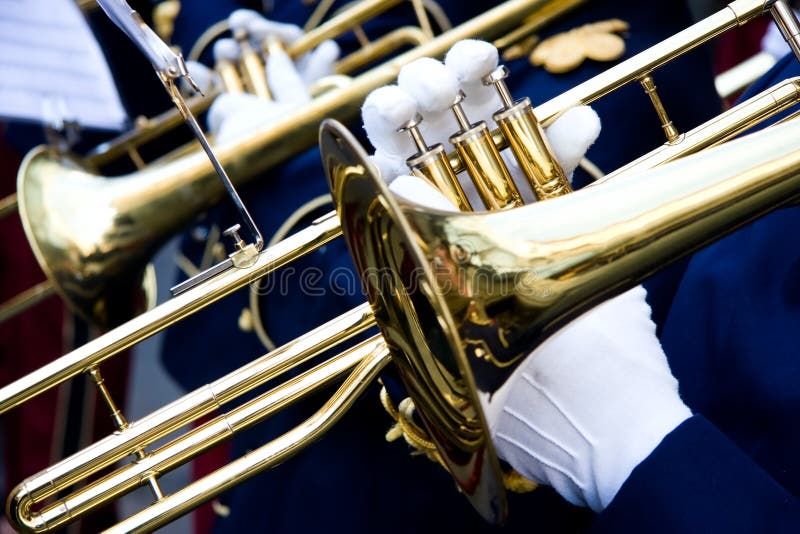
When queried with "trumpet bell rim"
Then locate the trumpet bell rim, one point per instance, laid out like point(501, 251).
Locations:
point(96, 296)
point(434, 368)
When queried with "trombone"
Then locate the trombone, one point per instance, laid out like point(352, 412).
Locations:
point(25, 505)
point(90, 280)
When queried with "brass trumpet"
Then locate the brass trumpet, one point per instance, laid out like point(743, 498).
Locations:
point(446, 279)
point(351, 175)
point(99, 266)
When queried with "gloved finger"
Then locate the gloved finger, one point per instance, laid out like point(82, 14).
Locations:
point(384, 111)
point(603, 393)
point(240, 18)
point(538, 456)
point(260, 28)
point(638, 327)
point(470, 60)
point(389, 166)
point(284, 81)
point(434, 88)
point(415, 190)
point(247, 119)
point(319, 62)
point(226, 50)
point(572, 134)
point(226, 105)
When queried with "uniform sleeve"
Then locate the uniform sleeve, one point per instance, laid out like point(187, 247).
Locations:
point(697, 480)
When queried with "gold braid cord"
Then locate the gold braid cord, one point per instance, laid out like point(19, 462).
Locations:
point(418, 439)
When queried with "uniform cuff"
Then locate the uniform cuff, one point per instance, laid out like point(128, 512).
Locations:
point(698, 480)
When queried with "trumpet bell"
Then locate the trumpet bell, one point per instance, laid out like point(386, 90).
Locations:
point(88, 245)
point(414, 318)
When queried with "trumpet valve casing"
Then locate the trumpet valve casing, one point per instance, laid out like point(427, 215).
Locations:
point(527, 141)
point(432, 165)
point(483, 162)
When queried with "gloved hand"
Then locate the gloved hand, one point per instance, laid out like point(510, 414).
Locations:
point(595, 399)
point(429, 87)
point(589, 404)
point(232, 115)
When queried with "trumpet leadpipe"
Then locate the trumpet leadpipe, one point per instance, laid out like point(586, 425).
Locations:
point(721, 128)
point(737, 13)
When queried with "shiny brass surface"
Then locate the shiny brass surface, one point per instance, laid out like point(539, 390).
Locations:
point(435, 380)
point(527, 141)
point(486, 168)
point(229, 77)
point(536, 21)
point(649, 86)
point(532, 150)
point(723, 127)
point(381, 47)
point(434, 167)
point(187, 181)
point(145, 130)
point(87, 5)
point(153, 321)
point(254, 76)
point(373, 358)
point(8, 205)
point(568, 266)
point(736, 14)
point(463, 298)
point(22, 301)
point(246, 156)
point(139, 434)
point(431, 164)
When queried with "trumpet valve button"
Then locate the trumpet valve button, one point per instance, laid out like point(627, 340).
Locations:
point(461, 117)
point(497, 78)
point(412, 127)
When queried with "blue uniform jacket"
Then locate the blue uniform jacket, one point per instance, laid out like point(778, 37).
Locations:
point(353, 481)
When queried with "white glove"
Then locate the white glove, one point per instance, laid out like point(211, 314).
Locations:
point(429, 87)
point(235, 115)
point(590, 403)
point(587, 406)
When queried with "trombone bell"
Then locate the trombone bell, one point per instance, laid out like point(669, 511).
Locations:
point(84, 239)
point(463, 298)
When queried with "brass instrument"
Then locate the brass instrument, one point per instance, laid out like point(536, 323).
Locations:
point(445, 276)
point(99, 266)
point(435, 386)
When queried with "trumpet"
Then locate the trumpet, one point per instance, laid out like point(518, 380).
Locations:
point(518, 283)
point(352, 178)
point(101, 272)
